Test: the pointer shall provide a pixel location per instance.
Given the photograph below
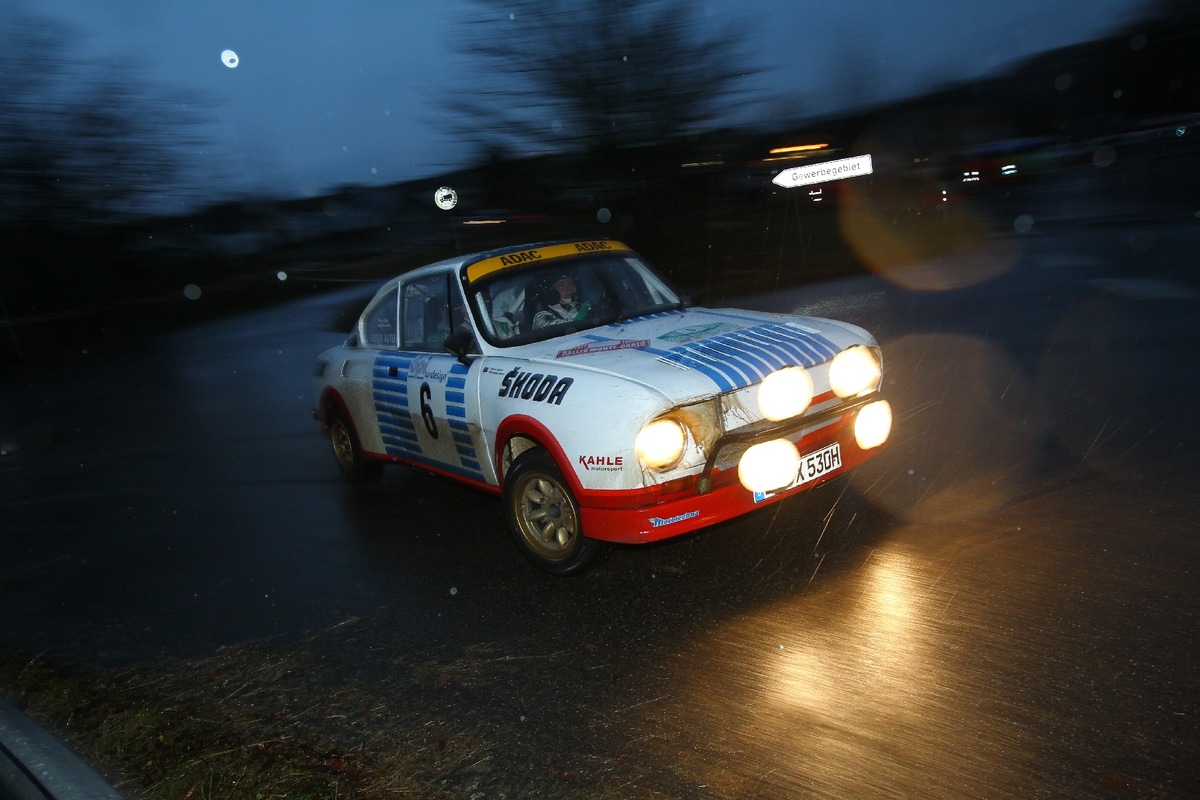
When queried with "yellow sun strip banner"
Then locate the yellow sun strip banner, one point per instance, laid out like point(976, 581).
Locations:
point(489, 265)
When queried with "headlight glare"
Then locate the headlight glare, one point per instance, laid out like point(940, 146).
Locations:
point(853, 372)
point(660, 444)
point(873, 424)
point(785, 393)
point(768, 466)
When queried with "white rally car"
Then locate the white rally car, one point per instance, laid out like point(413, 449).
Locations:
point(568, 378)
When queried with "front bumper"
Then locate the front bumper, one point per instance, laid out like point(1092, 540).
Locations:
point(716, 495)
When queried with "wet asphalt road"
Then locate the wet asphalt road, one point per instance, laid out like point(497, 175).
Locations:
point(1002, 604)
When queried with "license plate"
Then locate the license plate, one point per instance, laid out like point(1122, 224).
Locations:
point(812, 466)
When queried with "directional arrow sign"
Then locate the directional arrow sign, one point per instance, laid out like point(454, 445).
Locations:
point(824, 172)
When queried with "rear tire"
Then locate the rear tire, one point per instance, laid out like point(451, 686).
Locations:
point(348, 452)
point(543, 517)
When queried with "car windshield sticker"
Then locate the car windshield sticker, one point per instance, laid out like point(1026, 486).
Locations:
point(489, 265)
point(741, 358)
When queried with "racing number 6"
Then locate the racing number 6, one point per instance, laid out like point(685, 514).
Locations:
point(427, 411)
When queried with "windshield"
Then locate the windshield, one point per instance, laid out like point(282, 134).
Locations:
point(566, 295)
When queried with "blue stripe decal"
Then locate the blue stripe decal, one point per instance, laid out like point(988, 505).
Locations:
point(679, 358)
point(740, 358)
point(390, 393)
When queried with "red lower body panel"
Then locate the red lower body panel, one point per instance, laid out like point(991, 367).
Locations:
point(648, 515)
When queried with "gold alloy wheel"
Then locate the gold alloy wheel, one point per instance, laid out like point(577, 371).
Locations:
point(343, 444)
point(545, 515)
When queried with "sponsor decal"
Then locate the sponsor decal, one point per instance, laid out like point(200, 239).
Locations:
point(694, 332)
point(523, 257)
point(534, 386)
point(602, 463)
point(534, 254)
point(604, 347)
point(659, 522)
point(420, 369)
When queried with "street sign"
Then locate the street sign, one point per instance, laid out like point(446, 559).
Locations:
point(826, 171)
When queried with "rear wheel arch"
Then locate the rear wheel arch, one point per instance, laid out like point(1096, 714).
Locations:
point(331, 401)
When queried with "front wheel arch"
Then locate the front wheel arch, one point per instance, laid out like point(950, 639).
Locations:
point(543, 516)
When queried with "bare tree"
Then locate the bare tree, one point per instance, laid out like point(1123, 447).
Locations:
point(595, 75)
point(78, 146)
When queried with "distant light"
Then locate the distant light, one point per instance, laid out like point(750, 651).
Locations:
point(229, 59)
point(799, 148)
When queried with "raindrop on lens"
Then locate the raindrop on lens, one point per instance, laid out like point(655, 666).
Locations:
point(1023, 224)
point(191, 291)
point(281, 275)
point(229, 59)
point(604, 215)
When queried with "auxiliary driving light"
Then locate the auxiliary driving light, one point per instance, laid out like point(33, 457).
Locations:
point(873, 424)
point(768, 466)
point(853, 372)
point(660, 444)
point(785, 393)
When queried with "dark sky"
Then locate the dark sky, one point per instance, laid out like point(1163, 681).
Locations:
point(329, 93)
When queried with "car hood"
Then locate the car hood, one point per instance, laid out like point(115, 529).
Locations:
point(698, 352)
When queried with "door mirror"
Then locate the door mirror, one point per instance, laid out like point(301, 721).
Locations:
point(460, 343)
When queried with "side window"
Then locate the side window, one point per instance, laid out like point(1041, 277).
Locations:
point(425, 313)
point(379, 323)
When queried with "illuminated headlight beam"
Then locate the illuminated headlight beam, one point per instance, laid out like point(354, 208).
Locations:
point(873, 425)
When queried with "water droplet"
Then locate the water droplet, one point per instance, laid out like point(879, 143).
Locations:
point(191, 291)
point(230, 59)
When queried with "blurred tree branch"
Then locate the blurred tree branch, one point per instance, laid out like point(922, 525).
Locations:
point(78, 146)
point(595, 76)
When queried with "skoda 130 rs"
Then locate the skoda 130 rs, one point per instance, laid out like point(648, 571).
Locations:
point(570, 380)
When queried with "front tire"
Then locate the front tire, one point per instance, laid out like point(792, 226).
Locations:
point(543, 517)
point(348, 452)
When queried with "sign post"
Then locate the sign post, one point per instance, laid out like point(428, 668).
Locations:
point(853, 167)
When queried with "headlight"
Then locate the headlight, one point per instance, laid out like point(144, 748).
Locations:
point(853, 372)
point(785, 393)
point(769, 466)
point(660, 444)
point(873, 424)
